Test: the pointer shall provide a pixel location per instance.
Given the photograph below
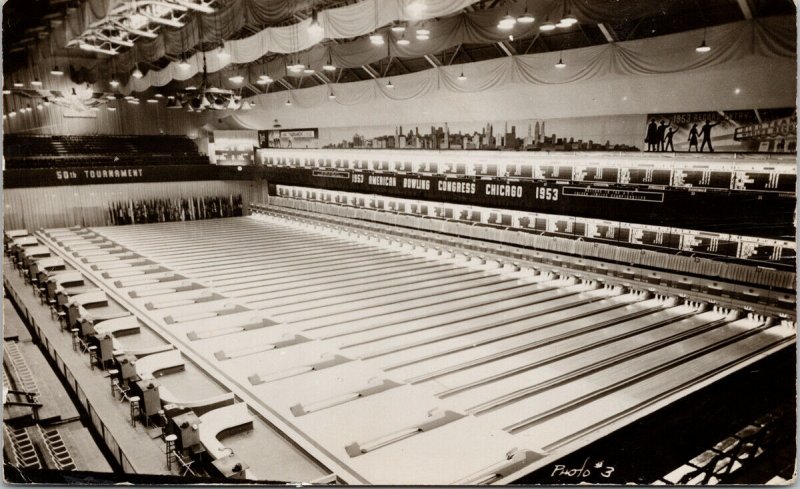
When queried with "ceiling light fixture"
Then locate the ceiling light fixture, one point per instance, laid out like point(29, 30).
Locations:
point(403, 41)
point(547, 26)
point(462, 77)
point(561, 63)
point(526, 17)
point(399, 28)
point(114, 83)
point(376, 39)
point(36, 82)
point(507, 22)
point(331, 95)
point(55, 71)
point(236, 79)
point(184, 65)
point(703, 47)
point(389, 84)
point(315, 28)
point(137, 73)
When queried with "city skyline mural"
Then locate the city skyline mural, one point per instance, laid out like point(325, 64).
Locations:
point(749, 130)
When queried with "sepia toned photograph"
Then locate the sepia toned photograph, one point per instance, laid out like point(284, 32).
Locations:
point(399, 242)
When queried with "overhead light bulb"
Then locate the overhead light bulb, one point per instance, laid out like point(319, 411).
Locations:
point(526, 17)
point(191, 87)
point(403, 41)
point(29, 109)
point(114, 83)
point(462, 77)
point(222, 54)
point(563, 25)
point(159, 95)
point(288, 102)
point(110, 108)
point(308, 71)
point(507, 22)
point(55, 71)
point(152, 101)
point(376, 39)
point(569, 19)
point(703, 47)
point(6, 91)
point(315, 27)
point(547, 26)
point(389, 84)
point(13, 113)
point(297, 67)
point(331, 95)
point(398, 28)
point(137, 73)
point(264, 81)
point(236, 79)
point(18, 84)
point(423, 32)
point(46, 103)
point(184, 65)
point(38, 106)
point(423, 37)
point(329, 66)
point(36, 82)
point(561, 63)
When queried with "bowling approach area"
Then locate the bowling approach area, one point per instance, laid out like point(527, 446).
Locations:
point(395, 361)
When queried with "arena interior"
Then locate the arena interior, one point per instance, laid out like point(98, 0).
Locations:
point(397, 242)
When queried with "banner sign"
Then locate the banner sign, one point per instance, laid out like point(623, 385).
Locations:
point(289, 138)
point(720, 211)
point(756, 130)
point(49, 177)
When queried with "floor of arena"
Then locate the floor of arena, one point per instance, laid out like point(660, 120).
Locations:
point(399, 365)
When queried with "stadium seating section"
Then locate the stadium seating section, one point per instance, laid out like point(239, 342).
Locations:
point(26, 151)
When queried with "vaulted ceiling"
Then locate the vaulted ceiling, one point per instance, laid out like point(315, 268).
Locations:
point(26, 21)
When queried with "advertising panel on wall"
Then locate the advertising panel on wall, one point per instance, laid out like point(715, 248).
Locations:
point(232, 147)
point(756, 131)
point(307, 138)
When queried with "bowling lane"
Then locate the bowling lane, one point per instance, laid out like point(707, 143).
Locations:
point(506, 293)
point(294, 275)
point(428, 330)
point(485, 346)
point(372, 287)
point(325, 285)
point(401, 301)
point(535, 393)
point(553, 432)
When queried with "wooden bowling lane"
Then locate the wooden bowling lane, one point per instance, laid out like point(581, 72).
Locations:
point(540, 392)
point(594, 320)
point(394, 338)
point(479, 289)
point(600, 411)
point(323, 285)
point(378, 284)
point(295, 275)
point(506, 294)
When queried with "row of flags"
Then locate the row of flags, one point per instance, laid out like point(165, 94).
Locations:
point(174, 209)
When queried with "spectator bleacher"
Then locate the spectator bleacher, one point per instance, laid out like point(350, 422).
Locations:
point(23, 451)
point(39, 151)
